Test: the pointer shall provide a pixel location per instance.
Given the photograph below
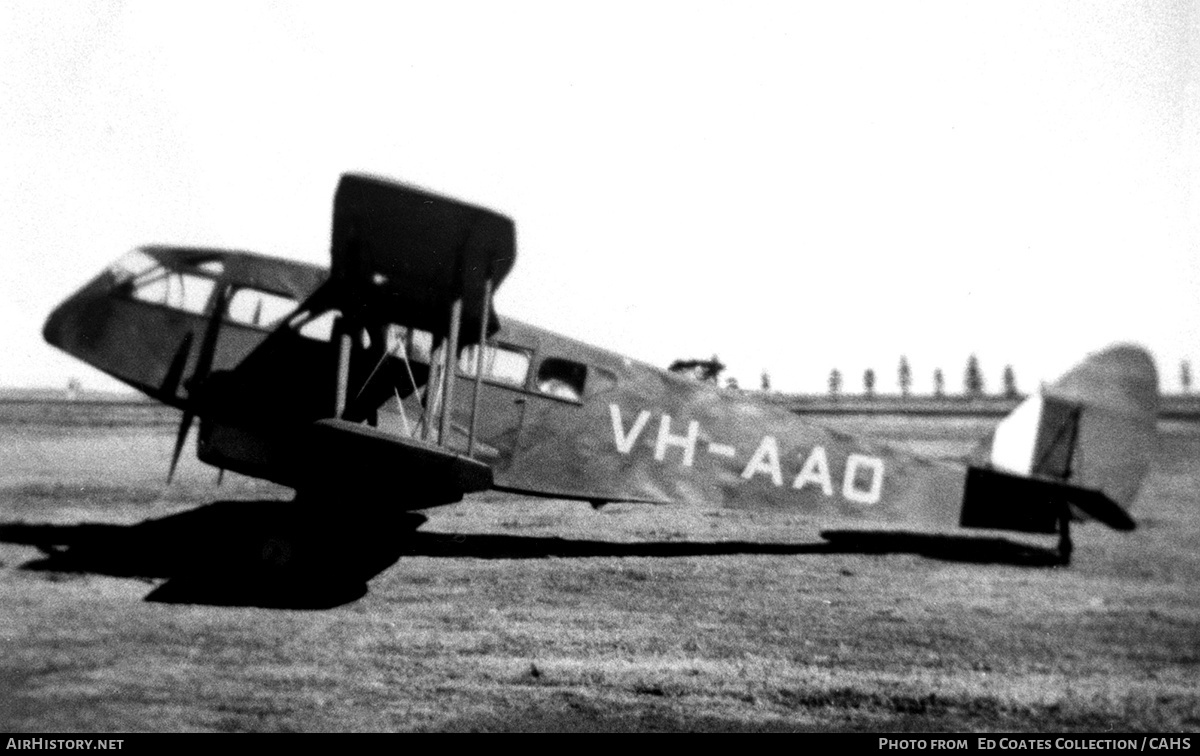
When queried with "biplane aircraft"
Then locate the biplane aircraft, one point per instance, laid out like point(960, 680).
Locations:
point(389, 378)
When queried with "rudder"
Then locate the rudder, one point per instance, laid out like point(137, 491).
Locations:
point(1093, 429)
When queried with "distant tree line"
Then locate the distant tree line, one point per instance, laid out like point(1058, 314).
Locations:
point(973, 380)
point(973, 384)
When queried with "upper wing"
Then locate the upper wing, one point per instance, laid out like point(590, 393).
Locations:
point(406, 254)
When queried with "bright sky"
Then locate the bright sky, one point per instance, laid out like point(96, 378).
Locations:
point(791, 186)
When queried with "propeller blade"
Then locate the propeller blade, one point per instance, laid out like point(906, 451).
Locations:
point(180, 438)
point(170, 384)
point(208, 348)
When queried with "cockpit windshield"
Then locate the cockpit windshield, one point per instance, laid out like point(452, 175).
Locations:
point(131, 265)
point(139, 276)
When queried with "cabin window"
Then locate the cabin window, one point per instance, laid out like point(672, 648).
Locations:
point(258, 309)
point(212, 267)
point(131, 265)
point(501, 364)
point(417, 344)
point(173, 289)
point(563, 379)
point(317, 326)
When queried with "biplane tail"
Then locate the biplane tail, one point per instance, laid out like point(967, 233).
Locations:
point(1084, 442)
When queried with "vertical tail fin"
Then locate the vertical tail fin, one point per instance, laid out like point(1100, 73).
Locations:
point(1094, 429)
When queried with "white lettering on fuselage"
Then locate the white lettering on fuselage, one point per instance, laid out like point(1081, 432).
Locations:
point(666, 438)
point(722, 450)
point(815, 470)
point(862, 481)
point(625, 441)
point(850, 489)
point(765, 460)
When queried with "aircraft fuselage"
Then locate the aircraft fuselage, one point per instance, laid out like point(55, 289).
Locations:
point(557, 417)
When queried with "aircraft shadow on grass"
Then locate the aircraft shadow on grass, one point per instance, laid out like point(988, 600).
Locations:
point(237, 553)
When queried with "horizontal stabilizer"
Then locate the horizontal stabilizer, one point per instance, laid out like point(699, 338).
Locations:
point(1097, 506)
point(1004, 501)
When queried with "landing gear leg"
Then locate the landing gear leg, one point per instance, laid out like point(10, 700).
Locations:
point(1065, 547)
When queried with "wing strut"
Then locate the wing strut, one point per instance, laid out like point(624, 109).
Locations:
point(433, 389)
point(450, 357)
point(439, 407)
point(444, 383)
point(345, 342)
point(483, 329)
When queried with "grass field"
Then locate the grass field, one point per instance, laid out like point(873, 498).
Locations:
point(151, 608)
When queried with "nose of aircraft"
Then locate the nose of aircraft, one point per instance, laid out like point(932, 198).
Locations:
point(52, 331)
point(71, 325)
point(140, 340)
